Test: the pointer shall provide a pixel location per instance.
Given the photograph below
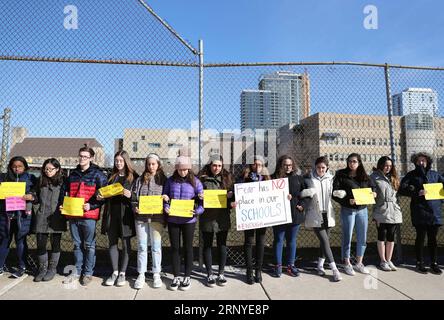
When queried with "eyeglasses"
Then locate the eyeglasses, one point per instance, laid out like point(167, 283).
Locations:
point(84, 157)
point(50, 169)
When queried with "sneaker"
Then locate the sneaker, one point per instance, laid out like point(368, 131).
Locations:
point(211, 282)
point(337, 275)
point(434, 268)
point(140, 281)
point(221, 280)
point(392, 266)
point(157, 280)
point(277, 271)
point(320, 271)
point(361, 268)
point(292, 271)
point(121, 280)
point(86, 280)
point(186, 284)
point(19, 273)
point(348, 268)
point(175, 284)
point(385, 266)
point(71, 278)
point(111, 280)
point(421, 268)
point(1, 271)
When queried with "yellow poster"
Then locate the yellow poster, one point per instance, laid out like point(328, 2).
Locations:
point(434, 191)
point(363, 196)
point(115, 189)
point(12, 189)
point(181, 208)
point(73, 206)
point(150, 205)
point(215, 198)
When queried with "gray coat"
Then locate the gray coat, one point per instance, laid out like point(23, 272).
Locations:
point(48, 218)
point(386, 209)
point(154, 189)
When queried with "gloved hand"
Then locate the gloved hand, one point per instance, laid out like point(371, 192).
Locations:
point(339, 194)
point(308, 193)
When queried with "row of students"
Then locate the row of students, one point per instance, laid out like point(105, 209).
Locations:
point(310, 198)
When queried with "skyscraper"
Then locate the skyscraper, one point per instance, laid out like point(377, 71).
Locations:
point(283, 97)
point(415, 101)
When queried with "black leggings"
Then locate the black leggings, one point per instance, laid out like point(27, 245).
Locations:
point(187, 230)
point(431, 232)
point(42, 239)
point(114, 252)
point(248, 247)
point(386, 231)
point(221, 239)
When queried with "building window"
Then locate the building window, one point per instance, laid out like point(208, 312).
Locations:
point(153, 145)
point(175, 145)
point(353, 141)
point(134, 146)
point(142, 137)
point(358, 141)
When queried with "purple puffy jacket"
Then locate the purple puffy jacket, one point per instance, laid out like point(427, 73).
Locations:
point(183, 190)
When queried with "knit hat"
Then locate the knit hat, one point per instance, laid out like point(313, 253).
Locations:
point(183, 162)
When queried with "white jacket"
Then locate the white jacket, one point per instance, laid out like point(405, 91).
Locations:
point(321, 189)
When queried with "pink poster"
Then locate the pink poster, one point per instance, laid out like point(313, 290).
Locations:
point(15, 204)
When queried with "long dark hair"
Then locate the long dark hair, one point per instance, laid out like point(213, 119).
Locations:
point(129, 170)
point(57, 179)
point(159, 177)
point(280, 170)
point(361, 175)
point(190, 177)
point(227, 178)
point(394, 178)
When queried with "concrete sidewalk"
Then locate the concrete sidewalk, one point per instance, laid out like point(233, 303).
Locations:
point(404, 284)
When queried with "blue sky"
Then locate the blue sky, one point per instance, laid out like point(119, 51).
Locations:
point(69, 99)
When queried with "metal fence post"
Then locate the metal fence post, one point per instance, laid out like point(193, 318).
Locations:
point(201, 83)
point(5, 139)
point(392, 151)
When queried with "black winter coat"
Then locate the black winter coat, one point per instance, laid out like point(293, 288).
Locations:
point(423, 212)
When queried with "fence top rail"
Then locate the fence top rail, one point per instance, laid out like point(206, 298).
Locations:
point(213, 65)
point(363, 64)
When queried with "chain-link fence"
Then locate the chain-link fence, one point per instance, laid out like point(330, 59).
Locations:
point(118, 77)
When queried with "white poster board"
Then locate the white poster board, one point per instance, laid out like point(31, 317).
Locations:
point(262, 204)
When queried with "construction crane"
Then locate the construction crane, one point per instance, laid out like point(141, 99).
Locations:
point(5, 139)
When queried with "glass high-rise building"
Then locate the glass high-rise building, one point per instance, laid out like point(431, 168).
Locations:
point(283, 97)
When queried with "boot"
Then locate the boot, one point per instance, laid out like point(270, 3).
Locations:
point(43, 267)
point(52, 270)
point(250, 279)
point(258, 275)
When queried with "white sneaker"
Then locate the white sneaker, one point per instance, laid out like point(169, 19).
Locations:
point(175, 284)
point(385, 266)
point(320, 271)
point(157, 280)
point(337, 275)
point(392, 266)
point(348, 268)
point(361, 268)
point(140, 281)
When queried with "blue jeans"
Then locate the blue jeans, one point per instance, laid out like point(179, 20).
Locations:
point(154, 229)
point(350, 218)
point(18, 229)
point(290, 232)
point(83, 233)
